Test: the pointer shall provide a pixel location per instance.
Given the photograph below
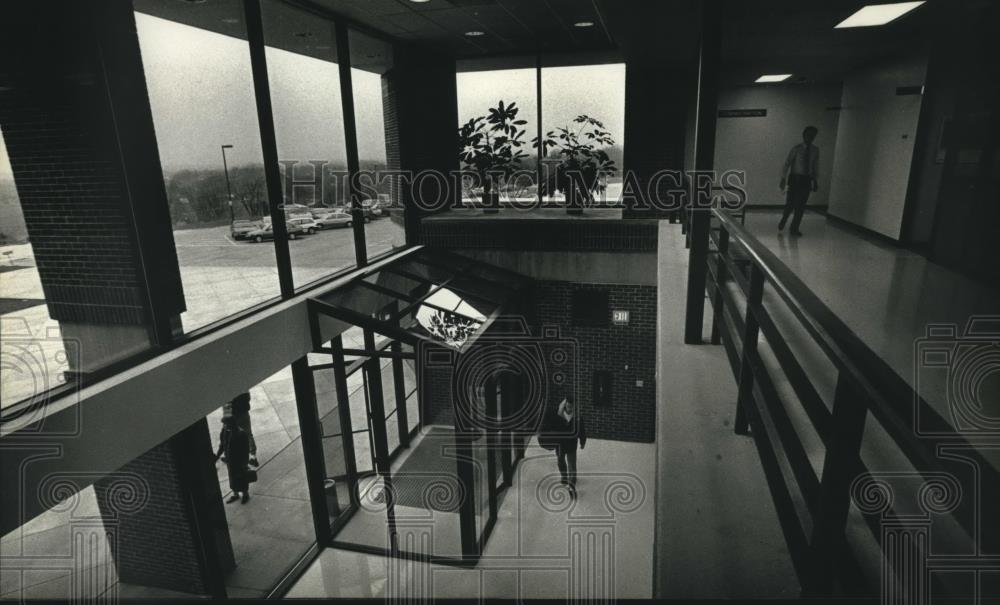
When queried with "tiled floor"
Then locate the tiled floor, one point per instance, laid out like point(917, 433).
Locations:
point(717, 533)
point(887, 295)
point(543, 545)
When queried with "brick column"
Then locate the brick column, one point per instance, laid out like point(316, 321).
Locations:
point(180, 539)
point(655, 123)
point(421, 122)
point(79, 132)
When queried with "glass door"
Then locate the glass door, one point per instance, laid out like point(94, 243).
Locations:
point(361, 421)
point(338, 452)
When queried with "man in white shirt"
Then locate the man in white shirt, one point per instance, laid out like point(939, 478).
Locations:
point(799, 177)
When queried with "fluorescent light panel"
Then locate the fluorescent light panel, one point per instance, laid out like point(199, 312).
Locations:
point(878, 14)
point(773, 78)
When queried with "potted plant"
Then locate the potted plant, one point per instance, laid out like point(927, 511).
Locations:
point(583, 164)
point(490, 146)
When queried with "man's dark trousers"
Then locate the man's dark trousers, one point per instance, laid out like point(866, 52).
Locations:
point(799, 187)
point(566, 453)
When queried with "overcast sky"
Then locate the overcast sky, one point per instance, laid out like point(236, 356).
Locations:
point(594, 90)
point(201, 94)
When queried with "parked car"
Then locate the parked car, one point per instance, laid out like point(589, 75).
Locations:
point(367, 211)
point(295, 210)
point(266, 232)
point(372, 209)
point(318, 211)
point(306, 223)
point(239, 229)
point(336, 218)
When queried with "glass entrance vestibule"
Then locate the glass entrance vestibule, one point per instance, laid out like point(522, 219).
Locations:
point(433, 405)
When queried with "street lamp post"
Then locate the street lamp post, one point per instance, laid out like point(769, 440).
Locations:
point(229, 188)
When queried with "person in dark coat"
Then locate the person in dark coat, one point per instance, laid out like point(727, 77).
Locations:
point(571, 431)
point(240, 410)
point(235, 445)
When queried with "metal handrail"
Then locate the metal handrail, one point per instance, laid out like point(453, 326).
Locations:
point(840, 344)
point(865, 383)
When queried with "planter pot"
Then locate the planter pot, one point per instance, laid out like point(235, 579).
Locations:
point(575, 203)
point(491, 202)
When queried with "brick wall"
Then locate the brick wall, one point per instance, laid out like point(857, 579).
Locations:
point(68, 153)
point(390, 120)
point(158, 545)
point(542, 235)
point(632, 413)
point(421, 118)
point(74, 211)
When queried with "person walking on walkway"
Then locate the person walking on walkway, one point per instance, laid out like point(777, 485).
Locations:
point(799, 177)
point(240, 406)
point(235, 446)
point(570, 431)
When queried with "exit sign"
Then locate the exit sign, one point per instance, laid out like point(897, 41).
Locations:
point(619, 317)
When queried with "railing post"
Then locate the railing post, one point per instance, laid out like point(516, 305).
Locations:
point(839, 468)
point(704, 158)
point(751, 329)
point(720, 281)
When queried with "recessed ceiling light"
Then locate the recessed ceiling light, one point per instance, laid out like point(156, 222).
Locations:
point(878, 14)
point(584, 24)
point(772, 78)
point(475, 33)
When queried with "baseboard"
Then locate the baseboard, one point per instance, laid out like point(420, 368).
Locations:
point(817, 208)
point(865, 231)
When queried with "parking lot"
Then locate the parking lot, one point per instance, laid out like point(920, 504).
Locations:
point(222, 276)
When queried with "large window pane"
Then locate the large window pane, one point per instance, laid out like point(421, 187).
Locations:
point(371, 62)
point(309, 126)
point(360, 423)
point(337, 490)
point(564, 111)
point(481, 90)
point(201, 92)
point(276, 520)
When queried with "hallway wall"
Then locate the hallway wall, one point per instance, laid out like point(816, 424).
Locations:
point(759, 145)
point(875, 141)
